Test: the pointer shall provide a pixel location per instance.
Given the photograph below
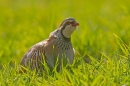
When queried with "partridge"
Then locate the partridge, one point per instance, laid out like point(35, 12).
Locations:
point(52, 50)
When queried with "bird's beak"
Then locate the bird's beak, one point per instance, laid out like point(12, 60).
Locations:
point(75, 24)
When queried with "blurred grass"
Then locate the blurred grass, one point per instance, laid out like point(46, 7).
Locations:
point(24, 23)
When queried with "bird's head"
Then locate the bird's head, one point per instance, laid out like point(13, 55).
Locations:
point(68, 26)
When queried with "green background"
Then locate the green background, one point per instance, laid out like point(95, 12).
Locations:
point(26, 22)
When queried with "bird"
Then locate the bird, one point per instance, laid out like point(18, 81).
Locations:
point(52, 50)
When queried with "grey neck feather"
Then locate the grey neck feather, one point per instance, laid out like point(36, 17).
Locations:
point(58, 33)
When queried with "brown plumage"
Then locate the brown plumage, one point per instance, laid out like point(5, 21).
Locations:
point(53, 49)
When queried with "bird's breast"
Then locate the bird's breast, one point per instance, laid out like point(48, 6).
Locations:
point(58, 49)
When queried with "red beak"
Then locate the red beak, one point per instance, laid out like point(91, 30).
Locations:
point(75, 24)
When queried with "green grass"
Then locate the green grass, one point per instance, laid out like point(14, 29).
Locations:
point(102, 37)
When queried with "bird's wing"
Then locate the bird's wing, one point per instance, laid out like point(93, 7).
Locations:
point(34, 56)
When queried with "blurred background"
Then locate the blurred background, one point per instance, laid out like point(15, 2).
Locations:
point(26, 22)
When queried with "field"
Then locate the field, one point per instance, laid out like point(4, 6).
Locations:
point(102, 41)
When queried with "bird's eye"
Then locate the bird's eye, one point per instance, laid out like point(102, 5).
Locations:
point(72, 22)
point(68, 23)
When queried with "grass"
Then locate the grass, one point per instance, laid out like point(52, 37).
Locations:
point(102, 37)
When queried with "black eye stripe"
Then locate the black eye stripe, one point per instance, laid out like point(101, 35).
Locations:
point(71, 22)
